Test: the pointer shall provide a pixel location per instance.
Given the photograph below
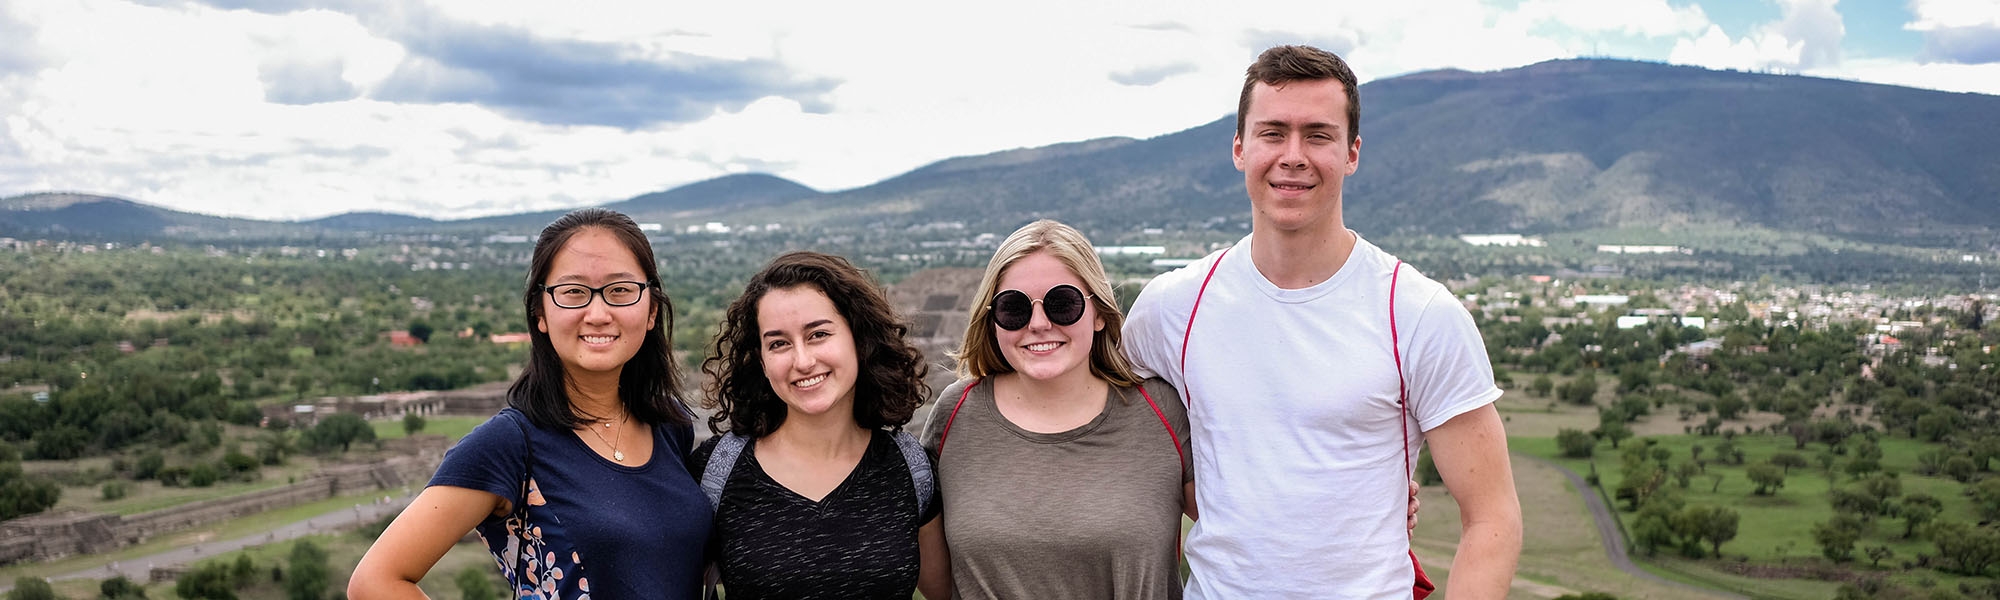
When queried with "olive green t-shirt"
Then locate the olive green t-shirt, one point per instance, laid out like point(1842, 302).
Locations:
point(1093, 512)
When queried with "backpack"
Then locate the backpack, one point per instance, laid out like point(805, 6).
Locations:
point(1422, 587)
point(723, 460)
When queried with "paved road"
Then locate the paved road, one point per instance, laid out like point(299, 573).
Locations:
point(139, 569)
point(1614, 540)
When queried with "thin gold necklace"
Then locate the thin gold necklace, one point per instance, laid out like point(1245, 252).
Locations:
point(616, 454)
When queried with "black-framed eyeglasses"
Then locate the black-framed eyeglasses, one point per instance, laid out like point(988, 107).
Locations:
point(1063, 304)
point(577, 295)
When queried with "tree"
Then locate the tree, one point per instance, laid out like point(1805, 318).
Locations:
point(1836, 537)
point(32, 588)
point(421, 331)
point(209, 581)
point(339, 429)
point(1616, 433)
point(412, 423)
point(1713, 524)
point(1575, 443)
point(1580, 391)
point(475, 584)
point(20, 495)
point(1877, 553)
point(1787, 460)
point(120, 588)
point(1427, 471)
point(1916, 515)
point(1769, 478)
point(1965, 549)
point(306, 574)
point(1541, 386)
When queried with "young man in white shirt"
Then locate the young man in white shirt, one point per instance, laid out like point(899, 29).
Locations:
point(1282, 346)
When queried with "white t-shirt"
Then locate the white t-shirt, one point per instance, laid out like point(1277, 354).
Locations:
point(1298, 439)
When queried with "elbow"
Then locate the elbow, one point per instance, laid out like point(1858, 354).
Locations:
point(370, 584)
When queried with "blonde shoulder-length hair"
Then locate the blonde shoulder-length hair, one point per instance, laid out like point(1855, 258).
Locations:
point(979, 355)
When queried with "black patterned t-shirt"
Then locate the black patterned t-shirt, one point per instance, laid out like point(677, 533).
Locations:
point(860, 541)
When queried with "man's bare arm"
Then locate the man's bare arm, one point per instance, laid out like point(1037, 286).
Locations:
point(1471, 454)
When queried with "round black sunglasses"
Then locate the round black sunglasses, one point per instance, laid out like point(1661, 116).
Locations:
point(1063, 304)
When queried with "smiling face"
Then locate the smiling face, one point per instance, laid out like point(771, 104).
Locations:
point(1295, 153)
point(596, 340)
point(1044, 350)
point(807, 350)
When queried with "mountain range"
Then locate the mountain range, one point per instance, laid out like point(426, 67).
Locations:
point(1555, 146)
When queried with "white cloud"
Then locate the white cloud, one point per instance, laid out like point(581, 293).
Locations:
point(1650, 18)
point(1807, 35)
point(1945, 14)
point(173, 103)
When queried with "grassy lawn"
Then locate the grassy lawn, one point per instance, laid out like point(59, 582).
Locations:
point(144, 496)
point(219, 531)
point(450, 426)
point(1776, 529)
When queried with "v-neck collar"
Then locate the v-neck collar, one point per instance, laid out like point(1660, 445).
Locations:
point(764, 478)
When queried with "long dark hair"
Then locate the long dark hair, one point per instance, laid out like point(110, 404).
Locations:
point(887, 390)
point(648, 386)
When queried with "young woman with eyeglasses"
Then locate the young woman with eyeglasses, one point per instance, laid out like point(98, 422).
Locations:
point(579, 488)
point(1062, 472)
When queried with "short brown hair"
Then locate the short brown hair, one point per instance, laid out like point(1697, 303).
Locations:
point(979, 354)
point(887, 390)
point(1285, 64)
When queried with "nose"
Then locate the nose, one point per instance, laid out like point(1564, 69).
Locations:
point(805, 358)
point(1294, 155)
point(597, 312)
point(1038, 316)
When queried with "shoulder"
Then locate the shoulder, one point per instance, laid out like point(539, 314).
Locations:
point(1179, 285)
point(697, 460)
point(1166, 398)
point(506, 431)
point(944, 409)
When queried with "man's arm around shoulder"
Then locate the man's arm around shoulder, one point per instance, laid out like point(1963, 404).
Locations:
point(1471, 454)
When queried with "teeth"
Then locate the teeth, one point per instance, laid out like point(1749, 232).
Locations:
point(809, 382)
point(598, 339)
point(1043, 347)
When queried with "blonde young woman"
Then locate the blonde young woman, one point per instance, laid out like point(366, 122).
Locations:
point(1063, 473)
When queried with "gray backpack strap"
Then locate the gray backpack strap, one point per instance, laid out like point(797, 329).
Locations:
point(720, 463)
point(920, 469)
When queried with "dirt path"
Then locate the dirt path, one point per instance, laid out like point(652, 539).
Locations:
point(140, 569)
point(1614, 540)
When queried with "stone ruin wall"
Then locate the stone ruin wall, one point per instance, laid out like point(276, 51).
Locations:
point(55, 535)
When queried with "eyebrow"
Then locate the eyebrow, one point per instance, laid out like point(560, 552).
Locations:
point(1315, 125)
point(809, 327)
point(619, 276)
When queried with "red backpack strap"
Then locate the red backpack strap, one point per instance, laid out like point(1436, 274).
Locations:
point(1422, 587)
point(954, 415)
point(1163, 422)
point(1395, 345)
point(1189, 333)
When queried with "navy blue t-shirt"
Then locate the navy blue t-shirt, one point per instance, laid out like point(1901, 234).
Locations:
point(596, 528)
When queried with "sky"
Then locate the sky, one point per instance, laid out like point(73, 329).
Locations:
point(298, 109)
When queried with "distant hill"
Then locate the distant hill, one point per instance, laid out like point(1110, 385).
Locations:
point(369, 221)
point(87, 216)
point(1560, 145)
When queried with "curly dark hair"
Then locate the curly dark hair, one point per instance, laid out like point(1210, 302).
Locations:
point(649, 385)
point(889, 387)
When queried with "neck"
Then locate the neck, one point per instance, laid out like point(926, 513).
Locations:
point(831, 434)
point(1078, 387)
point(596, 397)
point(1300, 259)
